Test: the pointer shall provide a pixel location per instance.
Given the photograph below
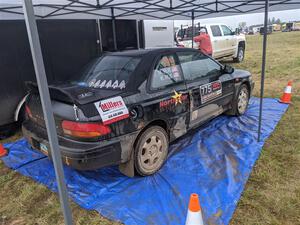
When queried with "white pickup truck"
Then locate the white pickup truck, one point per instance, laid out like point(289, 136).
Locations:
point(225, 42)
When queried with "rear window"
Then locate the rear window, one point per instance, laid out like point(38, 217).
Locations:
point(109, 72)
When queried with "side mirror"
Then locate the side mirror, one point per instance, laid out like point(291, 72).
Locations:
point(227, 69)
point(237, 31)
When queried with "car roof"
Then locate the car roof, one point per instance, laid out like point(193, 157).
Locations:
point(129, 52)
point(142, 52)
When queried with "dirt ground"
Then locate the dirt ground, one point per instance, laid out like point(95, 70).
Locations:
point(272, 194)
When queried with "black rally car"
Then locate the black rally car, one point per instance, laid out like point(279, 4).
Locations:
point(125, 107)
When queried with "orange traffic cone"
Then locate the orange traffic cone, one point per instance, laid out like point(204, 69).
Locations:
point(287, 95)
point(194, 215)
point(3, 151)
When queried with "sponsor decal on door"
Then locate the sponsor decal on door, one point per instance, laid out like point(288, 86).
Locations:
point(112, 110)
point(210, 91)
point(176, 99)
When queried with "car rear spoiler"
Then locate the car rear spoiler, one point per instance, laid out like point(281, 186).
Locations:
point(56, 93)
point(78, 95)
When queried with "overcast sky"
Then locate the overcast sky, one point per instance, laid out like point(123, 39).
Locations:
point(250, 19)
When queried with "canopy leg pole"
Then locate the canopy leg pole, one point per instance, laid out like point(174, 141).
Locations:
point(40, 74)
point(193, 24)
point(181, 28)
point(263, 68)
point(100, 37)
point(137, 35)
point(113, 22)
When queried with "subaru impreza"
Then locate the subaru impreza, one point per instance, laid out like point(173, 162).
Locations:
point(124, 108)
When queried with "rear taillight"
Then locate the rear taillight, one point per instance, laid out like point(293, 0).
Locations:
point(28, 111)
point(84, 130)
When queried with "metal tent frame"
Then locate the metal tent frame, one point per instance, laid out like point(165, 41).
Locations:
point(123, 9)
point(144, 9)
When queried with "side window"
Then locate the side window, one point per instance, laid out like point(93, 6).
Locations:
point(226, 30)
point(196, 65)
point(216, 31)
point(166, 72)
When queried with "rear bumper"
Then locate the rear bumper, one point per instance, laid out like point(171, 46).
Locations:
point(76, 154)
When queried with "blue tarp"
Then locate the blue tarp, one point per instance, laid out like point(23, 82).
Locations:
point(215, 161)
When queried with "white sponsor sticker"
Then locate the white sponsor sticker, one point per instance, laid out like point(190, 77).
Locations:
point(116, 84)
point(210, 91)
point(112, 110)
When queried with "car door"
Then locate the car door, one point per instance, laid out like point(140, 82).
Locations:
point(209, 89)
point(230, 40)
point(217, 41)
point(167, 96)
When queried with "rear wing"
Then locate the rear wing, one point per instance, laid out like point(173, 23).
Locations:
point(56, 93)
point(79, 95)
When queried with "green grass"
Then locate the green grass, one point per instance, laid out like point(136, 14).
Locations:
point(272, 194)
point(23, 201)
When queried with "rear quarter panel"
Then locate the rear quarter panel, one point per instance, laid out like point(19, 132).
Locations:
point(161, 105)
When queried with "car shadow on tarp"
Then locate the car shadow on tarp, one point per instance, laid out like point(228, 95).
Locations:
point(214, 161)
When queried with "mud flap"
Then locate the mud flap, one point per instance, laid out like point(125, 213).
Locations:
point(128, 167)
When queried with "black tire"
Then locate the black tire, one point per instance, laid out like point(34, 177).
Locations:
point(240, 55)
point(151, 150)
point(234, 111)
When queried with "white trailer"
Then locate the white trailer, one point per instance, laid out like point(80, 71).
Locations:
point(158, 33)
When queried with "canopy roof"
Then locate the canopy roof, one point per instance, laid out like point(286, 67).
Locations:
point(140, 9)
point(121, 9)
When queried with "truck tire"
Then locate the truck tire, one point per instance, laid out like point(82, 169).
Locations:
point(240, 54)
point(151, 151)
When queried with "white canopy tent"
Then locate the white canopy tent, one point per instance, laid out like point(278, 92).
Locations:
point(121, 9)
point(141, 9)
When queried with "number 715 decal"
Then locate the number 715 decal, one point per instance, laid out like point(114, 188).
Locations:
point(210, 91)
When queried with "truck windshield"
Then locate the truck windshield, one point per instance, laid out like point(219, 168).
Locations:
point(108, 72)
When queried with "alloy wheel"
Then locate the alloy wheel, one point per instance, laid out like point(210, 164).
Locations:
point(152, 150)
point(243, 99)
